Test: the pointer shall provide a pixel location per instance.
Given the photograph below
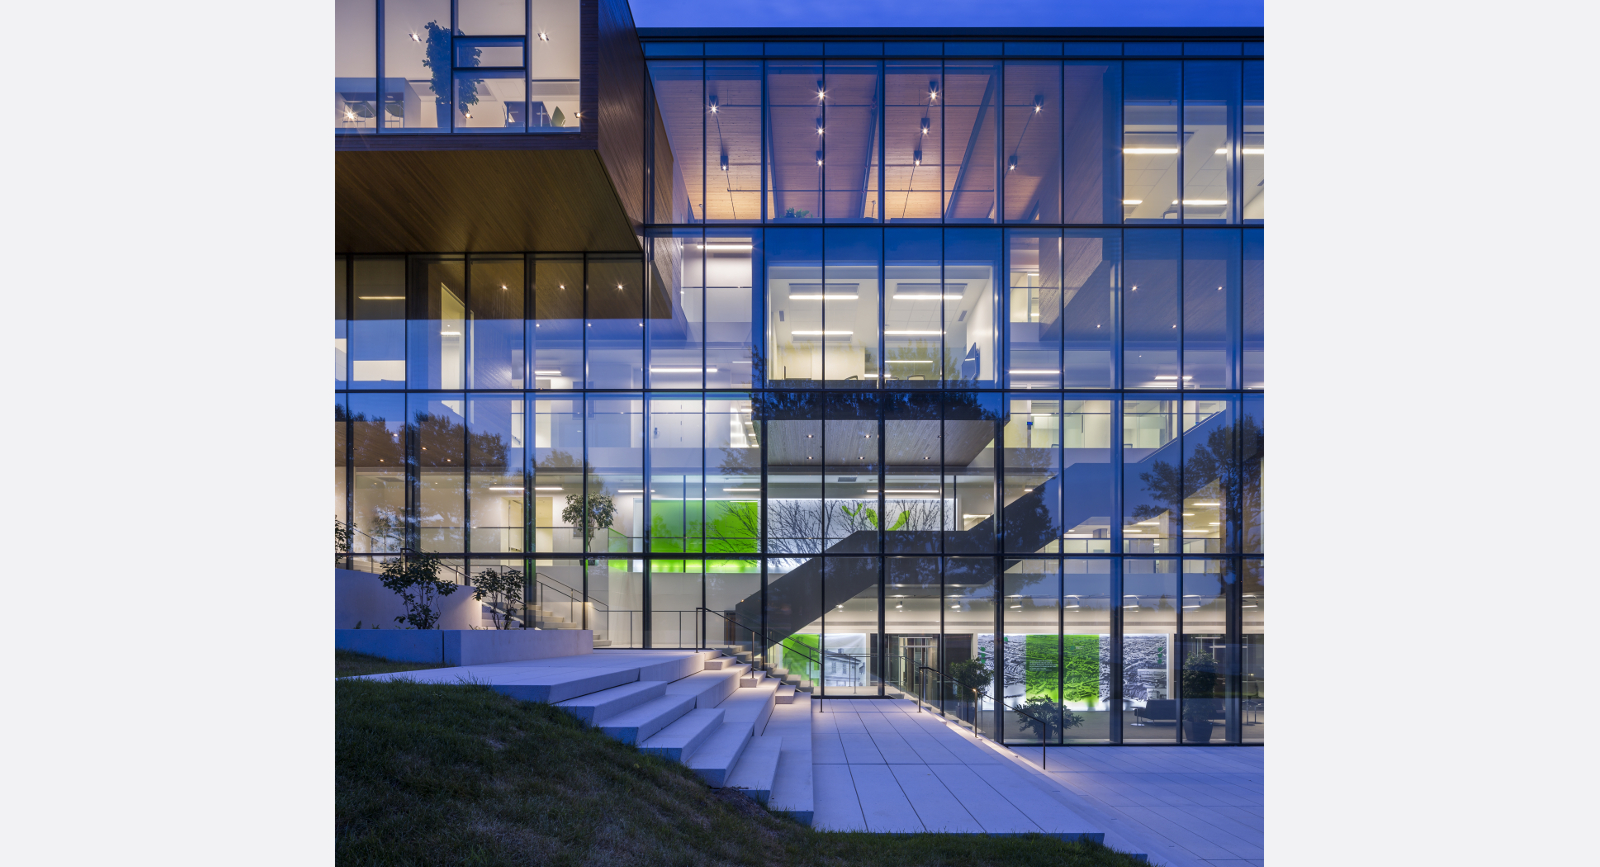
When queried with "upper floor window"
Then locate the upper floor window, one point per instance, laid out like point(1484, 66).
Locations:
point(471, 66)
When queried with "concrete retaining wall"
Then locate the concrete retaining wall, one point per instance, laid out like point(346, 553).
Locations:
point(361, 597)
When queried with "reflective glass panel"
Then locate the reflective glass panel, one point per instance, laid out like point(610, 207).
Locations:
point(355, 65)
point(1252, 653)
point(614, 483)
point(416, 66)
point(1150, 465)
point(850, 142)
point(971, 143)
point(1031, 684)
point(616, 599)
point(1033, 142)
point(558, 461)
point(1090, 260)
point(1088, 480)
point(1253, 155)
point(679, 140)
point(1210, 116)
point(441, 440)
point(733, 483)
point(733, 140)
point(677, 492)
point(970, 655)
point(794, 302)
point(850, 641)
point(341, 316)
point(1150, 141)
point(677, 308)
point(1211, 297)
point(1149, 633)
point(915, 509)
point(1150, 336)
point(1033, 470)
point(913, 308)
point(614, 330)
point(849, 301)
point(973, 272)
point(912, 617)
point(913, 141)
point(1209, 706)
point(1086, 679)
point(1033, 309)
point(1252, 446)
point(377, 455)
point(796, 100)
point(436, 323)
point(378, 326)
point(495, 324)
point(1091, 143)
point(553, 58)
point(794, 477)
point(971, 423)
point(1254, 279)
point(491, 101)
point(496, 495)
point(556, 332)
point(1212, 487)
point(731, 264)
point(491, 17)
point(850, 449)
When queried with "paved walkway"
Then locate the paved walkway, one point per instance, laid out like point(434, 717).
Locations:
point(879, 765)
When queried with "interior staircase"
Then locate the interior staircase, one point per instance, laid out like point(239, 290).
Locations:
point(732, 724)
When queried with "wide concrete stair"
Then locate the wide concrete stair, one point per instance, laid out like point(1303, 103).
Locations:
point(734, 725)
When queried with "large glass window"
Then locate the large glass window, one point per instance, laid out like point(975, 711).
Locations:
point(1091, 143)
point(1211, 490)
point(441, 440)
point(972, 270)
point(971, 143)
point(1033, 309)
point(1150, 141)
point(1086, 670)
point(1211, 291)
point(558, 483)
point(795, 466)
point(796, 102)
point(553, 64)
point(1031, 685)
point(913, 141)
point(556, 332)
point(378, 326)
point(341, 317)
point(1150, 337)
point(416, 65)
point(614, 323)
point(1210, 117)
point(849, 301)
point(794, 302)
point(913, 308)
point(1091, 259)
point(1209, 703)
point(355, 65)
point(378, 476)
point(677, 492)
point(676, 324)
point(1033, 142)
point(850, 142)
point(497, 496)
point(732, 261)
point(495, 349)
point(1088, 481)
point(1253, 156)
point(1252, 446)
point(971, 422)
point(733, 140)
point(614, 483)
point(1252, 653)
point(436, 326)
point(1149, 635)
point(1254, 280)
point(850, 640)
point(1150, 465)
point(1033, 469)
point(733, 470)
point(915, 508)
point(971, 659)
point(912, 616)
point(679, 140)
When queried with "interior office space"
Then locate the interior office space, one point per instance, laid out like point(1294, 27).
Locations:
point(910, 357)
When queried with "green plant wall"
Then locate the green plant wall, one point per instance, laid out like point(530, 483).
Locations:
point(1080, 678)
point(810, 645)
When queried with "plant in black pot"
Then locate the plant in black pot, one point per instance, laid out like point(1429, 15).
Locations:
point(1200, 704)
point(975, 678)
point(1044, 715)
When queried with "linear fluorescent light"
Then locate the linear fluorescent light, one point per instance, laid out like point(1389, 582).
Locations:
point(1203, 201)
point(1035, 371)
point(825, 296)
point(822, 333)
point(557, 488)
point(901, 296)
point(633, 492)
point(449, 334)
point(1133, 201)
point(1077, 535)
point(682, 369)
point(1149, 150)
point(974, 516)
point(507, 488)
point(380, 297)
point(1205, 504)
point(914, 332)
point(726, 246)
point(547, 373)
point(1148, 524)
point(1247, 151)
point(1171, 376)
point(902, 492)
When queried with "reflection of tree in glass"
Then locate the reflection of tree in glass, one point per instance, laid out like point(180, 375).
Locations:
point(593, 510)
point(1211, 469)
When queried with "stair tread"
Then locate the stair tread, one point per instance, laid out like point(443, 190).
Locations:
point(641, 721)
point(684, 735)
point(718, 754)
point(756, 769)
point(598, 707)
point(792, 790)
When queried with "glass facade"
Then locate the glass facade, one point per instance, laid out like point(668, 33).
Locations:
point(929, 361)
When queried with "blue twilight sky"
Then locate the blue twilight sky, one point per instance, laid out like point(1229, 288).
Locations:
point(947, 13)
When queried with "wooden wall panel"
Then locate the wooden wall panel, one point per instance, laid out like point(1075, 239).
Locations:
point(622, 104)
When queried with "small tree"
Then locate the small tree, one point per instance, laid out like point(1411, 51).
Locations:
point(341, 536)
point(414, 577)
point(503, 589)
point(598, 514)
point(1043, 715)
point(1199, 680)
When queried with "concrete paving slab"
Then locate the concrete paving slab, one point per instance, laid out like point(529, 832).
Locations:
point(884, 804)
point(860, 749)
point(982, 802)
point(838, 806)
point(938, 808)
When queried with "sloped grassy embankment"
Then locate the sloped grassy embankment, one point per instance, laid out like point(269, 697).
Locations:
point(458, 774)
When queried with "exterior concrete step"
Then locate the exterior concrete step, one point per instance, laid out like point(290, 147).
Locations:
point(715, 758)
point(598, 707)
point(751, 678)
point(754, 773)
point(679, 740)
point(792, 790)
point(602, 642)
point(753, 705)
point(708, 688)
point(674, 669)
point(785, 694)
point(637, 723)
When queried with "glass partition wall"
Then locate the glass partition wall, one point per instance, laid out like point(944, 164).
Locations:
point(1002, 455)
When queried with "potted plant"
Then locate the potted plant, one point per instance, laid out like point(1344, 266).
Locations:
point(1043, 714)
point(975, 677)
point(1199, 680)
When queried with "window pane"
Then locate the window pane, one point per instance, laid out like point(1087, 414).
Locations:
point(1033, 469)
point(441, 439)
point(850, 449)
point(733, 140)
point(731, 259)
point(794, 479)
point(1092, 145)
point(491, 17)
point(1088, 481)
point(912, 613)
point(341, 315)
point(972, 269)
point(971, 140)
point(355, 65)
point(490, 101)
point(850, 308)
point(556, 333)
point(1253, 686)
point(1210, 307)
point(1253, 455)
point(1150, 141)
point(1032, 689)
point(1150, 461)
point(677, 494)
point(679, 152)
point(1150, 310)
point(495, 324)
point(913, 136)
point(1033, 142)
point(796, 96)
point(677, 308)
point(1212, 487)
point(971, 422)
point(1090, 260)
point(377, 453)
point(1254, 317)
point(969, 650)
point(1208, 703)
point(913, 308)
point(1033, 309)
point(496, 497)
point(558, 462)
point(615, 479)
point(616, 600)
point(850, 626)
point(1254, 157)
point(1210, 114)
point(378, 328)
point(436, 323)
point(614, 331)
point(733, 485)
point(1149, 627)
point(676, 588)
point(850, 145)
point(915, 510)
point(341, 462)
point(553, 57)
point(416, 71)
point(794, 299)
point(1086, 650)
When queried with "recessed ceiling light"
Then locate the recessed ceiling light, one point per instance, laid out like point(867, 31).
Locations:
point(1149, 150)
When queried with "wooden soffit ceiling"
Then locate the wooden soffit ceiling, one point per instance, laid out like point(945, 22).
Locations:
point(477, 201)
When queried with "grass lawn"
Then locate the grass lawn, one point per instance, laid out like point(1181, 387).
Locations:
point(458, 774)
point(347, 663)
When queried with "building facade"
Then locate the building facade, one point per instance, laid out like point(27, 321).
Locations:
point(923, 362)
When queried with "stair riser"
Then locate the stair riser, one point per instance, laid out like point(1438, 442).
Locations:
point(639, 732)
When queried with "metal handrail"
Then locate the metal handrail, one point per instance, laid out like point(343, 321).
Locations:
point(940, 674)
point(765, 637)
